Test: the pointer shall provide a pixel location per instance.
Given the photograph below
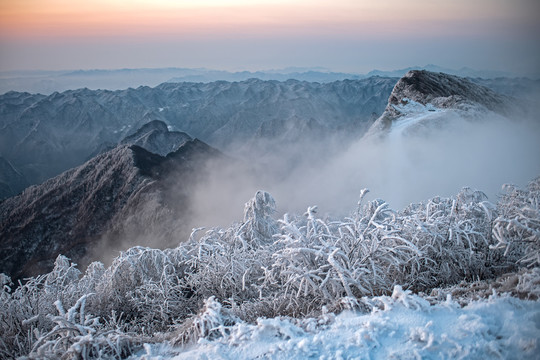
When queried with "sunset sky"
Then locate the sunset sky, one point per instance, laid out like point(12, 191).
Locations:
point(340, 35)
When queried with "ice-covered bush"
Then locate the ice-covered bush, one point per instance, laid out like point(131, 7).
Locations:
point(146, 284)
point(325, 260)
point(258, 225)
point(453, 236)
point(77, 335)
point(210, 322)
point(517, 226)
point(429, 244)
point(24, 310)
point(296, 266)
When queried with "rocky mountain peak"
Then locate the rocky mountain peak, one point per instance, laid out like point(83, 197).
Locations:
point(443, 90)
point(154, 125)
point(437, 91)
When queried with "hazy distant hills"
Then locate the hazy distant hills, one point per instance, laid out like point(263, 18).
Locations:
point(47, 82)
point(42, 136)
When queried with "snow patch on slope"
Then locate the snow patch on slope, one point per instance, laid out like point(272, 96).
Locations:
point(415, 113)
point(419, 119)
point(401, 326)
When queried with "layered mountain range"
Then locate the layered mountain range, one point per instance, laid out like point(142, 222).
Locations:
point(133, 164)
point(47, 82)
point(41, 136)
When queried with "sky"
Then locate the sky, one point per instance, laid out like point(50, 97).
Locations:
point(339, 35)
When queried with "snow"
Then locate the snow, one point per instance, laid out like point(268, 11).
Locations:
point(409, 106)
point(414, 113)
point(302, 287)
point(401, 326)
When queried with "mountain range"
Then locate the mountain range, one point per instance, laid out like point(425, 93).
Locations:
point(41, 136)
point(121, 164)
point(47, 82)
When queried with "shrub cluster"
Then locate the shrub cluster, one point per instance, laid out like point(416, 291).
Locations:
point(295, 266)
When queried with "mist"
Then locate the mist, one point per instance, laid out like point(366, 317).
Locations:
point(330, 171)
point(482, 154)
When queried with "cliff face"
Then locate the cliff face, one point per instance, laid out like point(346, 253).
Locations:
point(423, 86)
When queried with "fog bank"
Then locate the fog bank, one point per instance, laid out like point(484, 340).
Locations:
point(482, 154)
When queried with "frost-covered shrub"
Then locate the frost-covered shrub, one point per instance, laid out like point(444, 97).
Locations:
point(429, 244)
point(210, 322)
point(24, 311)
point(328, 260)
point(224, 265)
point(100, 322)
point(517, 226)
point(259, 226)
point(77, 335)
point(453, 237)
point(144, 283)
point(296, 267)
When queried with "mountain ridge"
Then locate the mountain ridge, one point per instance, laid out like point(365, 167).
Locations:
point(421, 88)
point(94, 204)
point(47, 82)
point(41, 136)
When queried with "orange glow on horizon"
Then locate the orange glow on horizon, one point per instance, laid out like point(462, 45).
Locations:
point(24, 19)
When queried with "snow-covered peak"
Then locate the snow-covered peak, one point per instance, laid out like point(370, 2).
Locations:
point(423, 95)
point(425, 86)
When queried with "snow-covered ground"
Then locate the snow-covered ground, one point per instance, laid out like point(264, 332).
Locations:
point(401, 326)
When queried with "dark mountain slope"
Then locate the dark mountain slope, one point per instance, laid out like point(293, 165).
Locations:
point(11, 180)
point(122, 192)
